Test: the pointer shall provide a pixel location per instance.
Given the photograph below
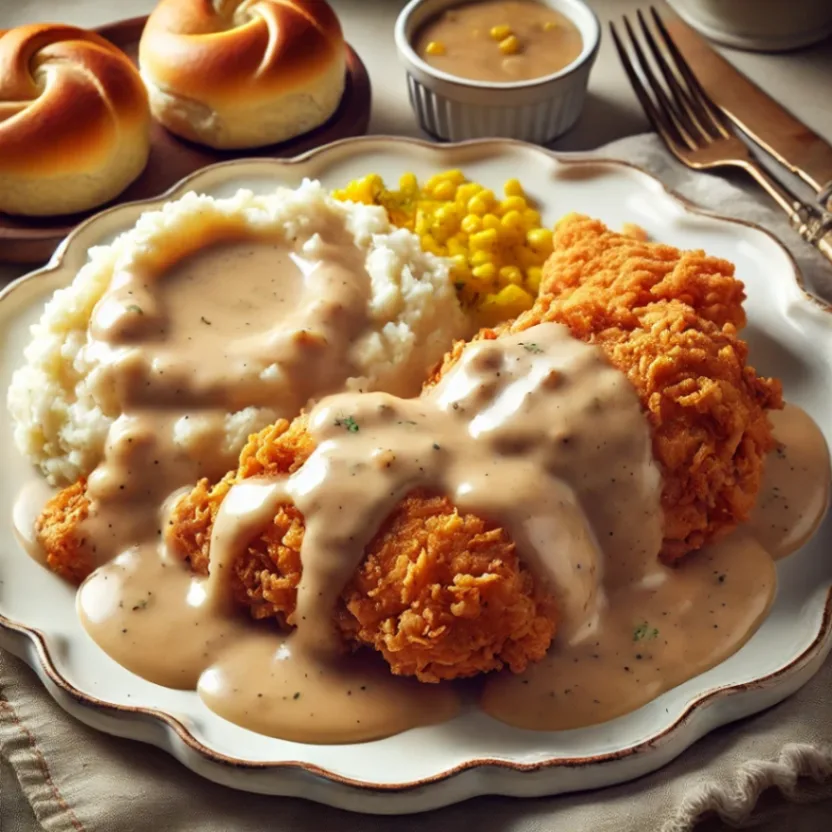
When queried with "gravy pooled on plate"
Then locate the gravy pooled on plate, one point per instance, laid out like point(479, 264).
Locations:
point(495, 40)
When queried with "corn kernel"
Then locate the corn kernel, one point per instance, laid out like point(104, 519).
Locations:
point(480, 257)
point(511, 274)
point(483, 239)
point(466, 191)
point(445, 190)
point(454, 175)
point(456, 247)
point(512, 220)
point(408, 182)
point(539, 238)
point(484, 272)
point(435, 47)
point(514, 203)
point(478, 205)
point(531, 217)
point(500, 32)
point(491, 221)
point(549, 26)
point(510, 46)
point(471, 224)
point(429, 244)
point(513, 188)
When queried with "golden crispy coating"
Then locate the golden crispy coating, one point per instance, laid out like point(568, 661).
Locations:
point(440, 594)
point(668, 319)
point(615, 275)
point(57, 530)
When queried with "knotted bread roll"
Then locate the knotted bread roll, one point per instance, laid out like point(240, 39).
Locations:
point(74, 120)
point(242, 73)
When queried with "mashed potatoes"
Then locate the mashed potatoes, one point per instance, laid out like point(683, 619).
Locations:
point(61, 416)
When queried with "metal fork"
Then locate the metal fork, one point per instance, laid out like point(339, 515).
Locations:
point(694, 128)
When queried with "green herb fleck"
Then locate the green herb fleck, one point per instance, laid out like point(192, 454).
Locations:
point(140, 605)
point(297, 695)
point(204, 320)
point(459, 286)
point(644, 631)
point(349, 423)
point(435, 446)
point(137, 309)
point(530, 346)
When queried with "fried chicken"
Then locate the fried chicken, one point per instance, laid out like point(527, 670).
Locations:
point(440, 594)
point(669, 319)
point(443, 594)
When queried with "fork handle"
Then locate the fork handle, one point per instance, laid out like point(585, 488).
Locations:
point(812, 225)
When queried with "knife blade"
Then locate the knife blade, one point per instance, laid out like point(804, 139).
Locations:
point(766, 121)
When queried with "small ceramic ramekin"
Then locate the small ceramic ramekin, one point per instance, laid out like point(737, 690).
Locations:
point(538, 110)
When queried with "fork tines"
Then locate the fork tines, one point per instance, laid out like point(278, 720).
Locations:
point(679, 109)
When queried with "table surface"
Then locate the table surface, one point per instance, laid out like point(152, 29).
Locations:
point(798, 79)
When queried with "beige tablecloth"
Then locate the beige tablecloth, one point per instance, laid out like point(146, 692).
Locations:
point(79, 781)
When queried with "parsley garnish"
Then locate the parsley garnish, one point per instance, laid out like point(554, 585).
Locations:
point(644, 631)
point(140, 605)
point(137, 309)
point(530, 346)
point(297, 695)
point(204, 320)
point(349, 423)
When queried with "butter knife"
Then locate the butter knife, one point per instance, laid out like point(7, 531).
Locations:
point(766, 121)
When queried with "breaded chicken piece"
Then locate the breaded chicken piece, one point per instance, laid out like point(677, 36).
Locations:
point(57, 530)
point(619, 274)
point(440, 594)
point(669, 320)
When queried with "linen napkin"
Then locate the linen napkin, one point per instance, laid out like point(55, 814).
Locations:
point(74, 779)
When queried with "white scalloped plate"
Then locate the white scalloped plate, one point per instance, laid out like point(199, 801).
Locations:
point(790, 336)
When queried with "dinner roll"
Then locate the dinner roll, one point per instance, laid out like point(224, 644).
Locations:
point(242, 73)
point(74, 120)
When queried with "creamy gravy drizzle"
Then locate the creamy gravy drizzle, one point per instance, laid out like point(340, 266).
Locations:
point(535, 431)
point(795, 491)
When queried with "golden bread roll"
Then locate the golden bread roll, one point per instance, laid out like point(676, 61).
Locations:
point(242, 73)
point(74, 120)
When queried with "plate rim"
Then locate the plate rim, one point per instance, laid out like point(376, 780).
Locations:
point(702, 702)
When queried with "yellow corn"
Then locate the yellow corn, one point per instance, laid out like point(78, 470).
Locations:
point(496, 247)
point(549, 25)
point(500, 32)
point(484, 272)
point(483, 239)
point(435, 47)
point(510, 46)
point(511, 274)
point(513, 188)
point(471, 224)
point(540, 238)
point(512, 219)
point(514, 203)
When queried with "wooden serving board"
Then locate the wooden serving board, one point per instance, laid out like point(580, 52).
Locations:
point(33, 239)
